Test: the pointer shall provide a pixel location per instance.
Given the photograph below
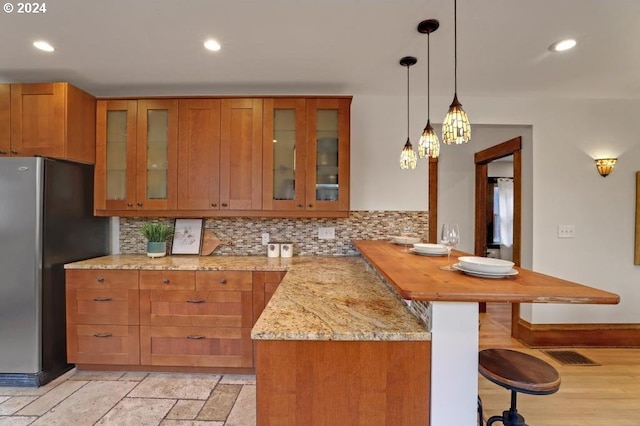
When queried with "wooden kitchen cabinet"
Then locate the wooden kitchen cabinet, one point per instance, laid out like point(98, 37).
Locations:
point(5, 120)
point(241, 154)
point(306, 155)
point(265, 284)
point(136, 157)
point(199, 154)
point(50, 120)
point(102, 317)
point(196, 319)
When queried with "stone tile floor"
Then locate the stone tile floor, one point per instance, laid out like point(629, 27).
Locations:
point(81, 398)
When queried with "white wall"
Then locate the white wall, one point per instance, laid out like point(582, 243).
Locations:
point(565, 187)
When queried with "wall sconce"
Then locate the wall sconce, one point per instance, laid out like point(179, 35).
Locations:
point(605, 165)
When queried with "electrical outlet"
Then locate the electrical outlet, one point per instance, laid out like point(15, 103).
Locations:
point(265, 238)
point(566, 231)
point(328, 233)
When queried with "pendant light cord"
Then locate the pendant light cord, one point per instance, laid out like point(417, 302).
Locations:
point(455, 46)
point(428, 81)
point(408, 66)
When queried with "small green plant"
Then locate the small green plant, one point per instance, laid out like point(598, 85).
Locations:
point(156, 232)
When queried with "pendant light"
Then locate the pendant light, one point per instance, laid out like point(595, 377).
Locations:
point(429, 145)
point(408, 158)
point(456, 127)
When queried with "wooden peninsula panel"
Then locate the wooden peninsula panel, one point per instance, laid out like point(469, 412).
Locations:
point(370, 383)
point(420, 278)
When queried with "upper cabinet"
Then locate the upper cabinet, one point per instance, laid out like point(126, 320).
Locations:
point(306, 156)
point(270, 157)
point(49, 119)
point(5, 120)
point(136, 156)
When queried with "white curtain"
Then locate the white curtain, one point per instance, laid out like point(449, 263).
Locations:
point(505, 207)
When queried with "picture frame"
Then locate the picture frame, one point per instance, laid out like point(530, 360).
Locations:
point(187, 236)
point(636, 258)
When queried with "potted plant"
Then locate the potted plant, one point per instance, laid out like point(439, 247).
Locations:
point(157, 235)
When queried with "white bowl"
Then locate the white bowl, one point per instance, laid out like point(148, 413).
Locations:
point(405, 240)
point(485, 264)
point(430, 248)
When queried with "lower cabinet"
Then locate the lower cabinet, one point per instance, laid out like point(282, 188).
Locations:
point(162, 318)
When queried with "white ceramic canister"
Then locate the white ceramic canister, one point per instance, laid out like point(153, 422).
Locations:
point(286, 249)
point(273, 249)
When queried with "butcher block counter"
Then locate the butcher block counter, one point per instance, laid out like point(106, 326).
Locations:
point(420, 278)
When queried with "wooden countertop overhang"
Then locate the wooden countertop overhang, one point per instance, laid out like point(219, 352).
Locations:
point(420, 278)
point(320, 298)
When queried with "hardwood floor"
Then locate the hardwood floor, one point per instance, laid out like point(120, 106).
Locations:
point(604, 395)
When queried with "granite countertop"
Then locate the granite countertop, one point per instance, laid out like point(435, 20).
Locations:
point(320, 298)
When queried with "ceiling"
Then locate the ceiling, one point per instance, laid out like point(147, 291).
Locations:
point(351, 47)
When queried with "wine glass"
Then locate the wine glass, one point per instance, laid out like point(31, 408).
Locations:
point(450, 237)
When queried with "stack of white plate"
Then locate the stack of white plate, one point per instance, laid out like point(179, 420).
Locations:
point(398, 239)
point(485, 267)
point(428, 249)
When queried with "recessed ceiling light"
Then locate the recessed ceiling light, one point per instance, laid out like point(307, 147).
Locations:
point(212, 45)
point(43, 45)
point(562, 45)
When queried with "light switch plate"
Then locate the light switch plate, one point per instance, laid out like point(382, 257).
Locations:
point(265, 238)
point(328, 233)
point(566, 231)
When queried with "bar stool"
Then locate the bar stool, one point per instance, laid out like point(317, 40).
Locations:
point(518, 372)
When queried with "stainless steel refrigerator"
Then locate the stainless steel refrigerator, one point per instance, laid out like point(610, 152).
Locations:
point(46, 220)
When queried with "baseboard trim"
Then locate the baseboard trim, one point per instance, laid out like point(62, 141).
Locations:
point(577, 335)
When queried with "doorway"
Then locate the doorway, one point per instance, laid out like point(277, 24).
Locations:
point(482, 159)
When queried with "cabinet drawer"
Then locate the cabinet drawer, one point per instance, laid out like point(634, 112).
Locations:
point(102, 306)
point(103, 344)
point(196, 346)
point(224, 280)
point(167, 280)
point(196, 308)
point(101, 279)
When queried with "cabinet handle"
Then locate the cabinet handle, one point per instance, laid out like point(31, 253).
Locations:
point(195, 337)
point(3, 152)
point(165, 281)
point(129, 204)
point(224, 204)
point(100, 280)
point(300, 205)
point(102, 335)
point(214, 204)
point(101, 299)
point(195, 300)
point(310, 205)
point(14, 152)
point(139, 204)
point(223, 281)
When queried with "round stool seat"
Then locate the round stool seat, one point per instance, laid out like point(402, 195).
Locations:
point(518, 371)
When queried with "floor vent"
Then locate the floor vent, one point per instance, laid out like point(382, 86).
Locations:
point(570, 357)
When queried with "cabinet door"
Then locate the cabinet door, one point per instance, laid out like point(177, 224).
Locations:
point(157, 154)
point(327, 154)
point(38, 119)
point(283, 154)
point(5, 119)
point(241, 154)
point(199, 154)
point(115, 172)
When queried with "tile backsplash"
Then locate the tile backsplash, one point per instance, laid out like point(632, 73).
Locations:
point(245, 234)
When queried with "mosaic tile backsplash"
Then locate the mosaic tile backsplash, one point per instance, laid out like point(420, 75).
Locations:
point(245, 234)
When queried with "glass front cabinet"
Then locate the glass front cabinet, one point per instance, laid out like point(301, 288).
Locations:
point(306, 155)
point(136, 155)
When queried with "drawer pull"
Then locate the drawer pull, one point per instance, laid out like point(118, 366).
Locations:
point(102, 335)
point(223, 281)
point(101, 279)
point(165, 281)
point(195, 337)
point(101, 299)
point(195, 300)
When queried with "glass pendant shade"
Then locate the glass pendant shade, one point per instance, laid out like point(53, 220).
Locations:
point(456, 128)
point(429, 145)
point(408, 159)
